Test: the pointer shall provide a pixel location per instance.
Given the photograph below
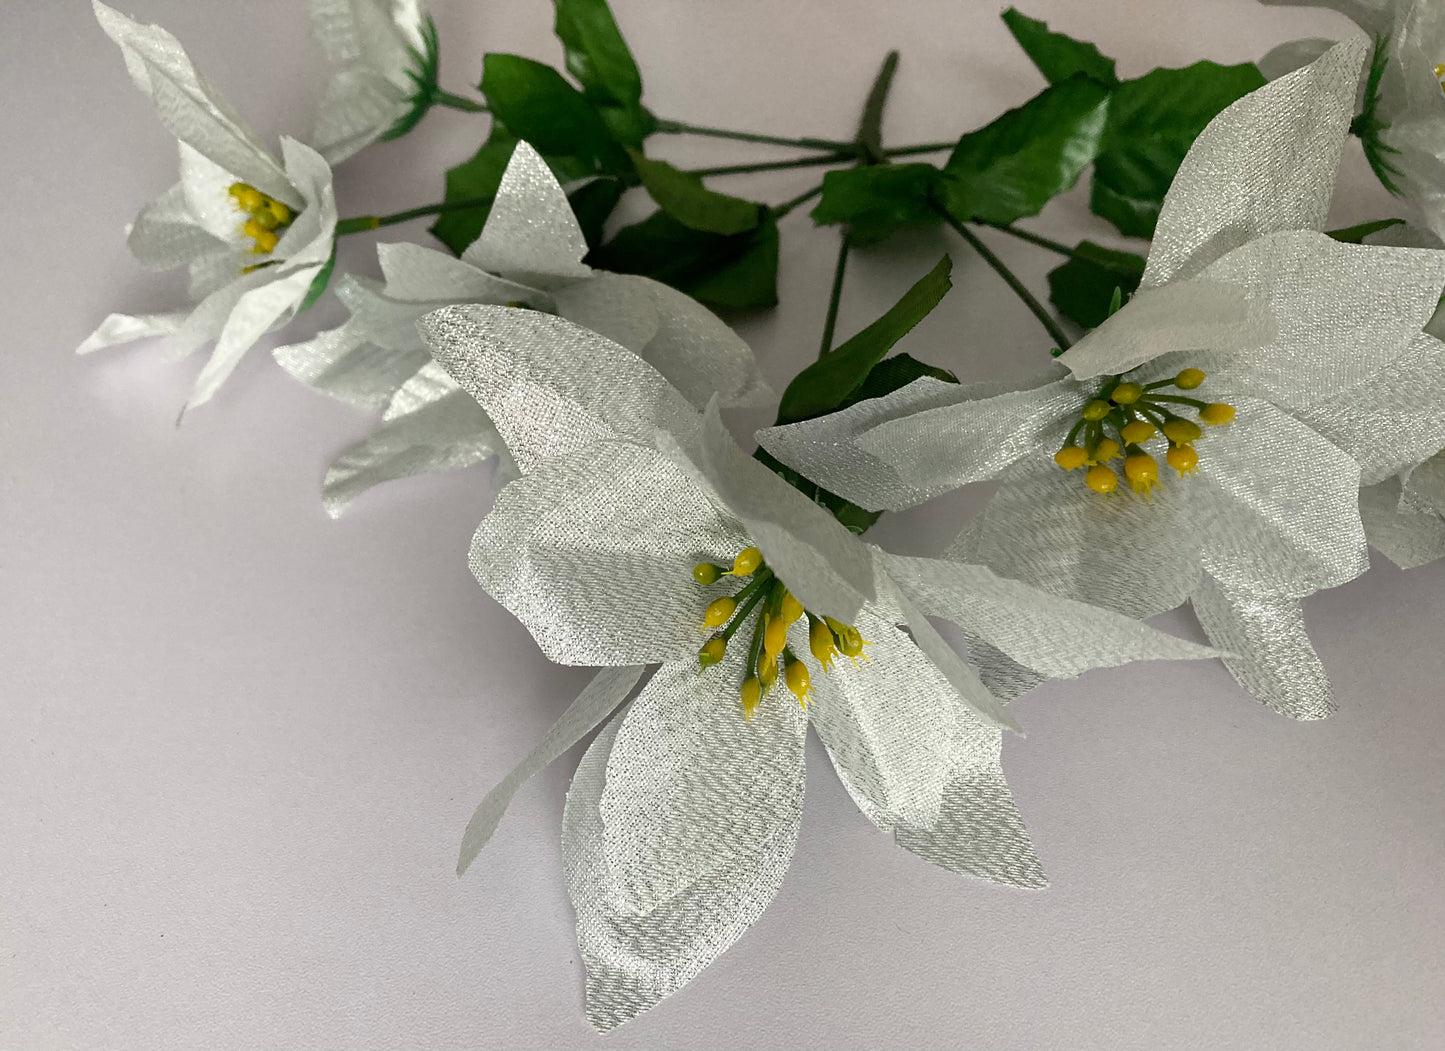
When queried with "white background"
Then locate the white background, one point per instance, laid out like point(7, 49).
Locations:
point(239, 741)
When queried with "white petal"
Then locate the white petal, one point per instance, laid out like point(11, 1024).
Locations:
point(430, 384)
point(1288, 517)
point(1272, 655)
point(311, 237)
point(1407, 537)
point(446, 435)
point(424, 275)
point(190, 107)
point(1291, 55)
point(255, 313)
point(1267, 163)
point(603, 694)
point(551, 386)
point(166, 234)
point(828, 568)
point(615, 306)
point(692, 787)
point(1184, 315)
point(1058, 637)
point(531, 234)
point(1424, 485)
point(593, 551)
point(126, 328)
point(357, 107)
point(635, 960)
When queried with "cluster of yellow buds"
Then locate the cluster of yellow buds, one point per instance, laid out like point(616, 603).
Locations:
point(1136, 413)
point(777, 610)
point(1440, 75)
point(268, 216)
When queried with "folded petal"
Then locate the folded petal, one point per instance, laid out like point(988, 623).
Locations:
point(357, 107)
point(1059, 637)
point(423, 275)
point(167, 235)
point(593, 551)
point(1271, 655)
point(1184, 315)
point(1267, 163)
point(596, 702)
point(445, 435)
point(310, 240)
point(127, 328)
point(1407, 537)
point(614, 306)
point(1288, 518)
point(531, 235)
point(691, 786)
point(633, 959)
point(551, 386)
point(255, 313)
point(1424, 485)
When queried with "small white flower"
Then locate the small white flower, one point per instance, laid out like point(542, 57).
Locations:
point(382, 55)
point(1316, 344)
point(681, 820)
point(255, 235)
point(530, 253)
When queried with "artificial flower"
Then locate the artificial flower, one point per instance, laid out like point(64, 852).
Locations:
point(383, 60)
point(1404, 515)
point(1403, 123)
point(530, 253)
point(639, 533)
point(1263, 362)
point(255, 234)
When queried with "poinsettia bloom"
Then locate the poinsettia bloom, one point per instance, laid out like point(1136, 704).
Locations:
point(254, 233)
point(1403, 128)
point(382, 55)
point(625, 543)
point(1229, 389)
point(529, 253)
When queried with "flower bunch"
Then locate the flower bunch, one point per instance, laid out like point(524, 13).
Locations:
point(1287, 375)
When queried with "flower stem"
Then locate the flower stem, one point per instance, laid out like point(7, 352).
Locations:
point(816, 161)
point(835, 297)
point(1011, 279)
point(466, 105)
point(802, 198)
point(677, 127)
point(1033, 239)
point(747, 599)
point(362, 223)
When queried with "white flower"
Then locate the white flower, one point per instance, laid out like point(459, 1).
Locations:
point(254, 235)
point(1406, 142)
point(530, 252)
point(382, 55)
point(1316, 344)
point(682, 818)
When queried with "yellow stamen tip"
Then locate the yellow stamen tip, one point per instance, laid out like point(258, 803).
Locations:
point(747, 562)
point(1182, 458)
point(1101, 479)
point(1138, 431)
point(798, 680)
point(1127, 394)
point(712, 652)
point(1106, 450)
point(791, 609)
point(775, 637)
point(1217, 413)
point(1182, 432)
point(768, 673)
point(706, 573)
point(1188, 379)
point(820, 642)
point(719, 611)
point(1070, 457)
point(1095, 410)
point(752, 696)
point(1142, 471)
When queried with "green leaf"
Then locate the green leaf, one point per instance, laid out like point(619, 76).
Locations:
point(1355, 235)
point(479, 178)
point(599, 59)
point(1370, 128)
point(687, 200)
point(1013, 167)
point(870, 126)
point(1082, 287)
point(1152, 123)
point(536, 104)
point(738, 271)
point(893, 374)
point(829, 381)
point(320, 281)
point(423, 74)
point(1058, 56)
point(875, 200)
point(593, 202)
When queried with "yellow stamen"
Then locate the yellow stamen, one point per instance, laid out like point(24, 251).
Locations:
point(712, 652)
point(1182, 432)
point(1070, 457)
point(248, 198)
point(752, 696)
point(796, 676)
point(790, 609)
point(1138, 431)
point(1188, 379)
point(719, 611)
point(706, 573)
point(775, 637)
point(1106, 450)
point(747, 562)
point(1095, 410)
point(1127, 394)
point(1101, 479)
point(1217, 413)
point(768, 674)
point(278, 212)
point(1142, 470)
point(1182, 458)
point(266, 242)
point(820, 641)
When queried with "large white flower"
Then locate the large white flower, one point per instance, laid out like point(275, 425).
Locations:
point(1404, 127)
point(1317, 345)
point(682, 818)
point(382, 55)
point(255, 235)
point(530, 253)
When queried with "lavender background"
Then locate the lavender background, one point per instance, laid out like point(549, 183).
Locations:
point(239, 741)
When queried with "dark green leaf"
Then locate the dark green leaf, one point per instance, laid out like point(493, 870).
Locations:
point(1058, 56)
point(593, 202)
point(736, 272)
point(1152, 123)
point(423, 77)
point(1082, 287)
point(1370, 128)
point(1014, 166)
point(1356, 235)
point(875, 200)
point(536, 104)
point(687, 200)
point(599, 58)
point(320, 281)
point(893, 374)
point(829, 381)
point(870, 127)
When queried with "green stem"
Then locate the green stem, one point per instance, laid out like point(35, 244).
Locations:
point(815, 161)
point(755, 649)
point(678, 127)
point(1195, 402)
point(748, 599)
point(835, 297)
point(802, 198)
point(1033, 239)
point(466, 105)
point(362, 223)
point(1011, 279)
point(926, 147)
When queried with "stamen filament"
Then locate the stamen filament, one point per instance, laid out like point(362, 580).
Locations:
point(1180, 399)
point(750, 603)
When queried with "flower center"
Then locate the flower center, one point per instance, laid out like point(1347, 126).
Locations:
point(1124, 417)
point(268, 217)
point(767, 602)
point(1440, 75)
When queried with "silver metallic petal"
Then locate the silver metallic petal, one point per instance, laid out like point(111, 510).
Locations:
point(596, 702)
point(1267, 163)
point(593, 551)
point(693, 788)
point(1424, 485)
point(1406, 536)
point(635, 960)
point(1271, 654)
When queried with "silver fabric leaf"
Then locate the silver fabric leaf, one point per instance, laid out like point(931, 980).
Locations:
point(1408, 536)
